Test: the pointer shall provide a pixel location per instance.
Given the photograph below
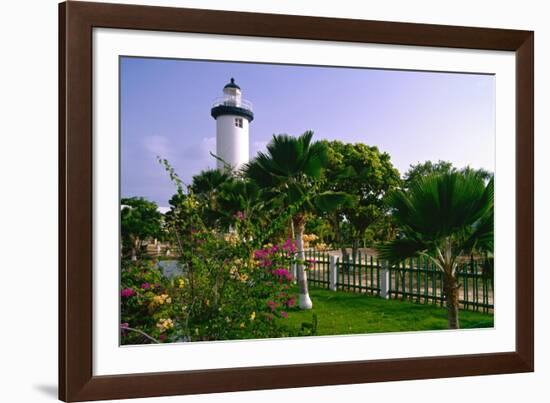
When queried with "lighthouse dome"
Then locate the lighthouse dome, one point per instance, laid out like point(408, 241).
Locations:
point(231, 84)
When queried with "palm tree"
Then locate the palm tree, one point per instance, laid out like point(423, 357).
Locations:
point(207, 182)
point(443, 217)
point(238, 199)
point(288, 174)
point(206, 186)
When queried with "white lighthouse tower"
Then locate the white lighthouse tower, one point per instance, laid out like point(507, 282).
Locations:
point(233, 116)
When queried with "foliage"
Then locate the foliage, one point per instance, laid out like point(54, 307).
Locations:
point(239, 200)
point(229, 287)
point(368, 175)
point(206, 186)
point(443, 217)
point(145, 301)
point(220, 294)
point(139, 220)
point(238, 233)
point(289, 174)
point(208, 182)
point(421, 170)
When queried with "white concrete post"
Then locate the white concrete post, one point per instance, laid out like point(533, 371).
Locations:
point(333, 273)
point(384, 281)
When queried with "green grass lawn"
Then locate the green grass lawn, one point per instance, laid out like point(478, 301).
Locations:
point(348, 313)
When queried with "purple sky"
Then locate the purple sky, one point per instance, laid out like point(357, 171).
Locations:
point(413, 116)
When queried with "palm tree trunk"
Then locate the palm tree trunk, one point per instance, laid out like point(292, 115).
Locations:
point(304, 300)
point(451, 294)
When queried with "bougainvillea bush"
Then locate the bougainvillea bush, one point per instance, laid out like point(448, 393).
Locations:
point(220, 294)
point(229, 284)
point(146, 303)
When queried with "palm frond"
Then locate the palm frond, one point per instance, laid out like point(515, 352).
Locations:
point(400, 249)
point(440, 205)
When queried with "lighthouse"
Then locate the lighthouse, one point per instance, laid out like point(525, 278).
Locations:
point(233, 115)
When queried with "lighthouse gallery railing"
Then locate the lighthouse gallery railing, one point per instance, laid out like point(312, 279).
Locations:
point(222, 101)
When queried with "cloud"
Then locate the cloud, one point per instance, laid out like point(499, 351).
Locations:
point(158, 146)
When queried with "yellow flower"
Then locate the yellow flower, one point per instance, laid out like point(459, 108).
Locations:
point(242, 325)
point(160, 300)
point(253, 316)
point(181, 283)
point(165, 324)
point(244, 277)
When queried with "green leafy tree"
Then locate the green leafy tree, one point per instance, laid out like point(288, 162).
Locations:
point(365, 173)
point(420, 170)
point(443, 217)
point(289, 175)
point(139, 220)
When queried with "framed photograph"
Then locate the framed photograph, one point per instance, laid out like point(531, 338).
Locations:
point(255, 201)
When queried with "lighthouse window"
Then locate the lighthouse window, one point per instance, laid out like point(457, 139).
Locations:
point(238, 122)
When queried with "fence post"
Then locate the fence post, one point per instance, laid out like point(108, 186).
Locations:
point(333, 272)
point(294, 272)
point(384, 280)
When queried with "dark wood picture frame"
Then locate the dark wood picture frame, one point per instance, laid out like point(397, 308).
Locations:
point(76, 22)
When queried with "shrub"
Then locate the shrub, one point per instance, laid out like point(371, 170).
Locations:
point(224, 293)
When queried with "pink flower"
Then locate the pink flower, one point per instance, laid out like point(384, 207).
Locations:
point(145, 286)
point(124, 325)
point(272, 305)
point(289, 246)
point(260, 254)
point(162, 337)
point(266, 263)
point(240, 215)
point(284, 314)
point(127, 292)
point(291, 302)
point(283, 274)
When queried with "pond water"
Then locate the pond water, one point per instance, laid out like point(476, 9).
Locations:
point(170, 268)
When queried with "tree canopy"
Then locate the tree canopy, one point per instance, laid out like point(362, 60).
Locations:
point(139, 220)
point(365, 173)
point(420, 170)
